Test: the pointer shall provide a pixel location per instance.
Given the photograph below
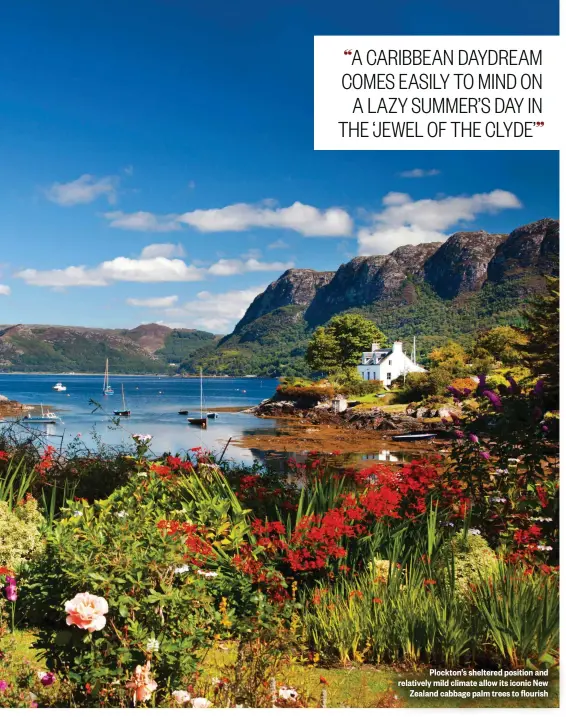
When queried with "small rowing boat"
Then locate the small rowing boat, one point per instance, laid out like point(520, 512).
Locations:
point(414, 437)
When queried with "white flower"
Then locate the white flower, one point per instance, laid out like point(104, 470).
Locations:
point(182, 569)
point(181, 696)
point(544, 547)
point(121, 514)
point(207, 574)
point(141, 437)
point(286, 693)
point(152, 645)
point(474, 531)
point(200, 702)
point(76, 513)
point(41, 674)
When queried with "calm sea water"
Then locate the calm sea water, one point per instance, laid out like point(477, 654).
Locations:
point(154, 403)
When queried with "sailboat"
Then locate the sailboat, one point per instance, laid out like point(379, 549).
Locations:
point(124, 412)
point(107, 389)
point(202, 421)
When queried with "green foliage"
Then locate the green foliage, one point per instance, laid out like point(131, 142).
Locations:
point(19, 532)
point(115, 549)
point(339, 345)
point(542, 337)
point(473, 559)
point(77, 352)
point(182, 344)
point(521, 612)
point(306, 396)
point(417, 386)
point(501, 344)
point(451, 357)
point(273, 345)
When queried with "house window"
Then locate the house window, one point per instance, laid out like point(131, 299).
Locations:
point(389, 377)
point(368, 375)
point(374, 375)
point(390, 362)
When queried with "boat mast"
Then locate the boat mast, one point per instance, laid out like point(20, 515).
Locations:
point(123, 399)
point(201, 393)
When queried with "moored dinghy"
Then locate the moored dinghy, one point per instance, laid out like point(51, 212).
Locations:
point(414, 437)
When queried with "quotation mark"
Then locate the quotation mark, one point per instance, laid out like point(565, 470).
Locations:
point(539, 124)
point(347, 52)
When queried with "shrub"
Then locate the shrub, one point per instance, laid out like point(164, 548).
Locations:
point(472, 558)
point(157, 610)
point(463, 383)
point(359, 387)
point(19, 532)
point(306, 396)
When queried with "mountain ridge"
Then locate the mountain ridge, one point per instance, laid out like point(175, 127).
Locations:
point(435, 291)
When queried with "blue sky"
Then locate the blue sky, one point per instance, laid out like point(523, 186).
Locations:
point(157, 160)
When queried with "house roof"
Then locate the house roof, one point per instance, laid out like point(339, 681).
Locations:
point(380, 355)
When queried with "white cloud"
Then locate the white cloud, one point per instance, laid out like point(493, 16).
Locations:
point(302, 218)
point(129, 170)
point(169, 251)
point(157, 269)
point(229, 267)
point(279, 244)
point(213, 312)
point(5, 290)
point(83, 190)
point(419, 173)
point(191, 185)
point(143, 221)
point(158, 302)
point(406, 221)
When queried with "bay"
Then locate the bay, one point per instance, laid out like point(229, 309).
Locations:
point(155, 403)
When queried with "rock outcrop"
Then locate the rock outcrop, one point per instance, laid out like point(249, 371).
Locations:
point(296, 287)
point(460, 265)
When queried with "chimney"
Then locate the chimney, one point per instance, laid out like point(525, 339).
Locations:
point(397, 347)
point(374, 347)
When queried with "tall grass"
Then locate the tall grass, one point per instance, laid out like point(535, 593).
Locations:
point(16, 481)
point(521, 614)
point(416, 614)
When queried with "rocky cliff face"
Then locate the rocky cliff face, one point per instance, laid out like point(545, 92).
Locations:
point(296, 287)
point(367, 279)
point(460, 264)
point(532, 246)
point(463, 264)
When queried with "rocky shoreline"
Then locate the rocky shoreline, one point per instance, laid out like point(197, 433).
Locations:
point(9, 409)
point(384, 423)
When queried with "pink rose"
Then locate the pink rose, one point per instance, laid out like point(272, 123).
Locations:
point(142, 685)
point(87, 611)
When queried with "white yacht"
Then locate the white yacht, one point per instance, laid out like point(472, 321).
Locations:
point(46, 417)
point(59, 387)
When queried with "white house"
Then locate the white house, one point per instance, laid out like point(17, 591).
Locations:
point(387, 364)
